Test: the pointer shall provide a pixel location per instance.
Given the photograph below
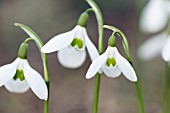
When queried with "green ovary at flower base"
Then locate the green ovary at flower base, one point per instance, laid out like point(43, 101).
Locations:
point(71, 45)
point(18, 76)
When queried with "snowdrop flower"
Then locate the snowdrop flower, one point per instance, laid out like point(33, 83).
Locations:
point(154, 16)
point(18, 76)
point(112, 64)
point(154, 46)
point(71, 45)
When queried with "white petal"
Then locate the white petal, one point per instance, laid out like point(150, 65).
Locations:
point(151, 47)
point(97, 64)
point(58, 42)
point(35, 81)
point(70, 57)
point(17, 86)
point(166, 50)
point(111, 71)
point(8, 71)
point(93, 53)
point(154, 16)
point(125, 67)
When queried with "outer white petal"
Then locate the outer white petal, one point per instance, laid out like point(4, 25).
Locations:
point(35, 81)
point(154, 16)
point(70, 57)
point(97, 64)
point(17, 86)
point(151, 47)
point(58, 42)
point(166, 50)
point(125, 67)
point(8, 71)
point(90, 47)
point(111, 71)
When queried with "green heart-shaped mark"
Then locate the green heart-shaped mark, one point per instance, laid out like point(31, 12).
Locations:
point(19, 74)
point(111, 61)
point(78, 42)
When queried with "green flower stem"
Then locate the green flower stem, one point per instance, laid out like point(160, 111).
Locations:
point(99, 17)
point(39, 44)
point(126, 48)
point(166, 90)
point(89, 10)
point(140, 98)
point(27, 40)
point(96, 94)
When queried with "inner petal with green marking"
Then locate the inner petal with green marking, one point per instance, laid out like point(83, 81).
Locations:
point(111, 61)
point(77, 42)
point(19, 74)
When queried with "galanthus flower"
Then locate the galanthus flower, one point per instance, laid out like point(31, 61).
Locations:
point(154, 46)
point(71, 45)
point(18, 76)
point(112, 64)
point(154, 16)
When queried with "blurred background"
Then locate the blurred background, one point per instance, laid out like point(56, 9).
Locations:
point(70, 92)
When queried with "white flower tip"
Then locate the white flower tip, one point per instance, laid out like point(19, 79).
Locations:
point(45, 97)
point(44, 94)
point(88, 77)
point(134, 79)
point(44, 50)
point(165, 56)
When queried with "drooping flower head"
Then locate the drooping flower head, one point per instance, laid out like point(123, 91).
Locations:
point(71, 45)
point(154, 16)
point(18, 76)
point(154, 46)
point(112, 63)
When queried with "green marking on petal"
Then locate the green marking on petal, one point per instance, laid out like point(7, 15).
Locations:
point(111, 61)
point(19, 74)
point(78, 42)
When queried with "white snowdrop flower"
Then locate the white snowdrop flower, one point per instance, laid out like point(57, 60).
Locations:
point(18, 76)
point(71, 45)
point(112, 64)
point(155, 46)
point(154, 16)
